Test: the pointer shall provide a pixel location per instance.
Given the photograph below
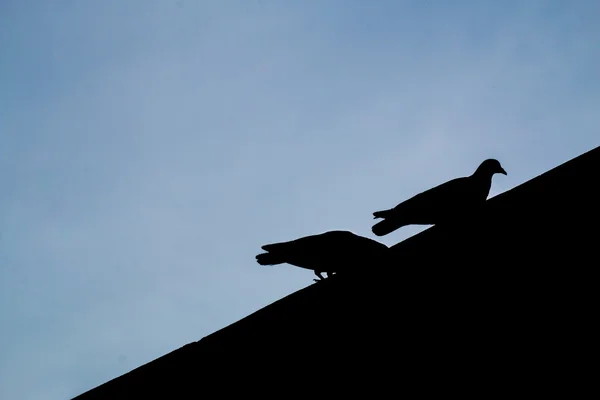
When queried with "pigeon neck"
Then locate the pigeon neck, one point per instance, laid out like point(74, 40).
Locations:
point(482, 173)
point(482, 176)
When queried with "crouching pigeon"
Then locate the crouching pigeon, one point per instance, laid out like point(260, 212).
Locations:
point(444, 202)
point(328, 252)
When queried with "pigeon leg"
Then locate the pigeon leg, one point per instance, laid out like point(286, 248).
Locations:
point(320, 275)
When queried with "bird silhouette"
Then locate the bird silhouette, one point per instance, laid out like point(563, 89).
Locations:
point(444, 202)
point(327, 252)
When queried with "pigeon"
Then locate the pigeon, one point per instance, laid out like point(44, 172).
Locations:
point(441, 203)
point(324, 253)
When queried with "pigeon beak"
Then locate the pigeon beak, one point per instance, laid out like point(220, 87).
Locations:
point(502, 171)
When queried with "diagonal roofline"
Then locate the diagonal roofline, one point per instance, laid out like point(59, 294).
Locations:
point(539, 200)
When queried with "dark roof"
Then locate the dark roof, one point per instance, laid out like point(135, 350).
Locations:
point(503, 297)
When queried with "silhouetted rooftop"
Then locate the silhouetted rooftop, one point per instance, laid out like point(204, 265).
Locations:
point(504, 299)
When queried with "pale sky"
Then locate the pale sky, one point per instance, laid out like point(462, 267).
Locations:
point(149, 148)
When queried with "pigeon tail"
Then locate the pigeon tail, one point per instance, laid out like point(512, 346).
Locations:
point(386, 226)
point(381, 214)
point(269, 259)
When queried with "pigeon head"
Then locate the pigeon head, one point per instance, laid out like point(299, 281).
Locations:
point(490, 167)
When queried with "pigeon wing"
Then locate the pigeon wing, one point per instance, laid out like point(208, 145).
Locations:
point(428, 206)
point(311, 251)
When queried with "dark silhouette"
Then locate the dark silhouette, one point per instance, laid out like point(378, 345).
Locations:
point(325, 252)
point(502, 302)
point(449, 201)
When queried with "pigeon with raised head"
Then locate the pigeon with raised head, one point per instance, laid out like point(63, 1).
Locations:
point(444, 202)
point(327, 252)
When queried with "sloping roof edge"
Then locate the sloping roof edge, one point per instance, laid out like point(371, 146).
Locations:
point(557, 178)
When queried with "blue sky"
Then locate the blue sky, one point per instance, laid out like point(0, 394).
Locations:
point(149, 148)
